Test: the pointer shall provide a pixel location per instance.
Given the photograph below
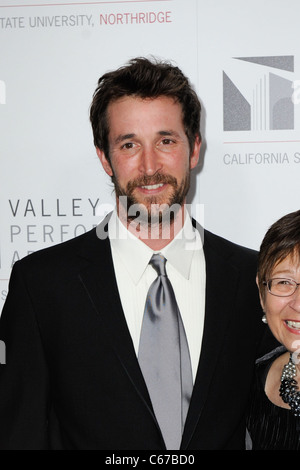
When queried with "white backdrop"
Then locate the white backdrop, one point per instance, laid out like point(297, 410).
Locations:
point(52, 186)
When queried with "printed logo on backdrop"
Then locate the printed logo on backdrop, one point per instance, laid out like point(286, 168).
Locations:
point(92, 20)
point(259, 105)
point(271, 107)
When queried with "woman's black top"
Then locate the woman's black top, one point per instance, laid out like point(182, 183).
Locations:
point(270, 427)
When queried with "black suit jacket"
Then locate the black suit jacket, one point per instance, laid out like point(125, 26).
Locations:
point(72, 379)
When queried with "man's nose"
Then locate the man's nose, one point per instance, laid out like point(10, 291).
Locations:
point(149, 161)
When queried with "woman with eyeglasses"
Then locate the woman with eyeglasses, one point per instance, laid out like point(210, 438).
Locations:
point(274, 418)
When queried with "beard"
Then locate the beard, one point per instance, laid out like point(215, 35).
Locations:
point(153, 209)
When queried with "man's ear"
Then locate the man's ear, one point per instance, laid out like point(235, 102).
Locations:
point(104, 162)
point(196, 153)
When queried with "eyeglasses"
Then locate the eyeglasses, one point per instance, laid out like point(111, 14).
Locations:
point(281, 287)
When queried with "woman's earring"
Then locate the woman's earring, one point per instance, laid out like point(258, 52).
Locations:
point(264, 319)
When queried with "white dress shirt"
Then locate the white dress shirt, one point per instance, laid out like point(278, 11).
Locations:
point(185, 268)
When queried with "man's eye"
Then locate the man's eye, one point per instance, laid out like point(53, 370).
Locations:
point(167, 141)
point(127, 146)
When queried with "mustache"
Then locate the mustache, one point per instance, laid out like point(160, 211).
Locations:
point(146, 180)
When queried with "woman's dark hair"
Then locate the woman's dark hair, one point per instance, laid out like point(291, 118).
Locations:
point(281, 240)
point(144, 79)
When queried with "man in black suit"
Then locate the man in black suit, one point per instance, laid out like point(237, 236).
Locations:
point(74, 313)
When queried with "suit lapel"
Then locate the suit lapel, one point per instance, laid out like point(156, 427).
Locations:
point(98, 277)
point(100, 283)
point(221, 279)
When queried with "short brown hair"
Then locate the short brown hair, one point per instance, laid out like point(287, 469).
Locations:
point(145, 79)
point(281, 240)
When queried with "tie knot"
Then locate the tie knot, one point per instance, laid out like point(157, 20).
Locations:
point(158, 262)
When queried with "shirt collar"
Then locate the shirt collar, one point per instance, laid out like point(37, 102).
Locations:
point(135, 255)
point(180, 251)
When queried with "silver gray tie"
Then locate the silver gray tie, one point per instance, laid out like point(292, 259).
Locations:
point(164, 357)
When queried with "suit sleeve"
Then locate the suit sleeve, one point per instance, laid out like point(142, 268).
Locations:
point(24, 383)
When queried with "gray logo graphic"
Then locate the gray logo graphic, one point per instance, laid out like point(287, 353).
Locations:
point(271, 106)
